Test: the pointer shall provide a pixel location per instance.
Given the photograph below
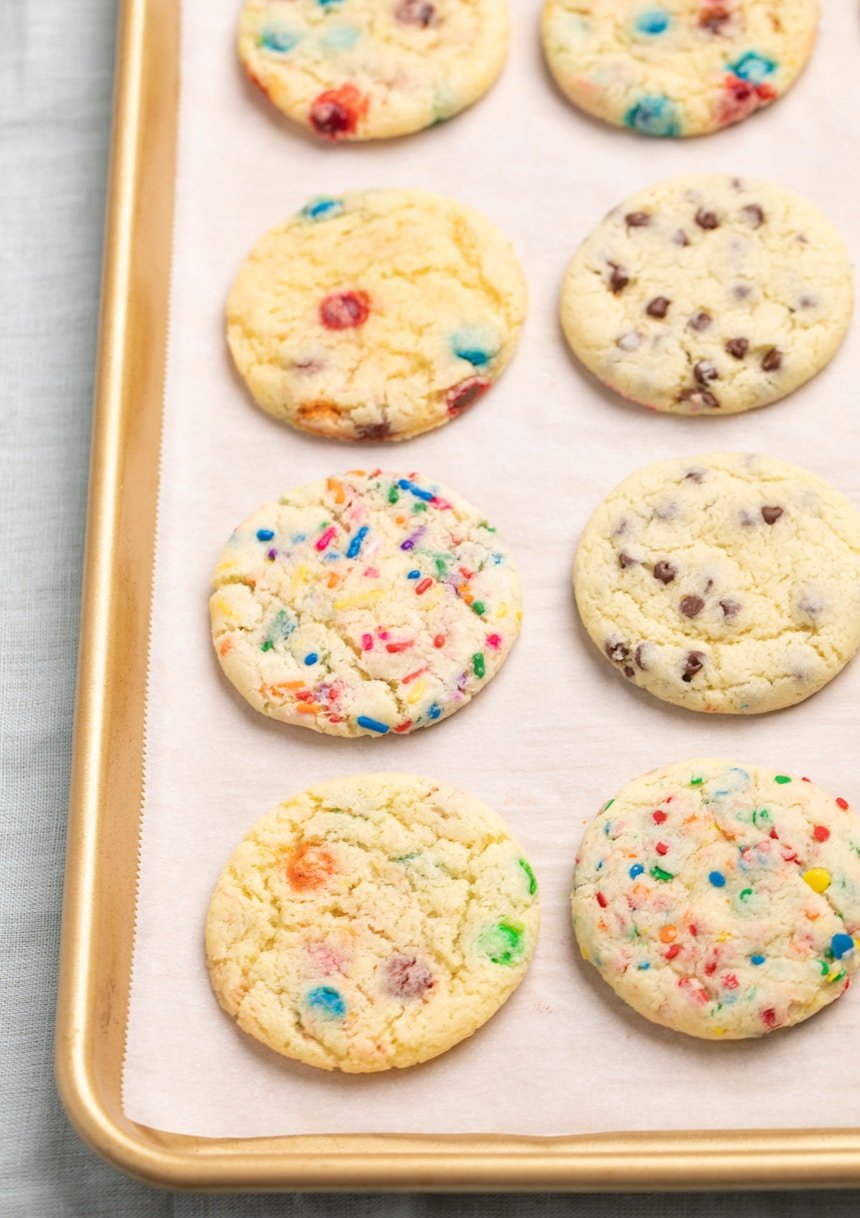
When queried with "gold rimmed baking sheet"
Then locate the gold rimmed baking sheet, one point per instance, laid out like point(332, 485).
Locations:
point(501, 456)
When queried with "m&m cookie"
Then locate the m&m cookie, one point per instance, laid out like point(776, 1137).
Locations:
point(376, 315)
point(371, 922)
point(363, 605)
point(371, 69)
point(708, 295)
point(721, 900)
point(677, 67)
point(727, 582)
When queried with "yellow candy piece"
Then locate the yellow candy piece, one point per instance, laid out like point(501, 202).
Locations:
point(817, 878)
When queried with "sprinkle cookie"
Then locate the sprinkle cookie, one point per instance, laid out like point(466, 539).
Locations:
point(364, 604)
point(376, 316)
point(371, 922)
point(677, 67)
point(708, 294)
point(726, 582)
point(719, 900)
point(371, 69)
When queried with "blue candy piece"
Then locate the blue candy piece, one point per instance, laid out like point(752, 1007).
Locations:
point(322, 209)
point(414, 575)
point(311, 658)
point(635, 870)
point(841, 945)
point(265, 534)
point(753, 67)
point(327, 1002)
point(372, 725)
point(643, 966)
point(277, 39)
point(355, 544)
point(435, 711)
point(756, 959)
point(717, 879)
point(654, 116)
point(655, 22)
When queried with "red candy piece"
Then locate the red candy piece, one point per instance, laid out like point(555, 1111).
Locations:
point(658, 817)
point(662, 848)
point(821, 833)
point(730, 981)
point(672, 951)
point(336, 113)
point(407, 977)
point(464, 395)
point(439, 640)
point(768, 1017)
point(601, 900)
point(842, 803)
point(742, 98)
point(345, 310)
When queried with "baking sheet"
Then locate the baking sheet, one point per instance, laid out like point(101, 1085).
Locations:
point(556, 733)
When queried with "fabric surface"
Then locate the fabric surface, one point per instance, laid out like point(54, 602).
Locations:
point(55, 90)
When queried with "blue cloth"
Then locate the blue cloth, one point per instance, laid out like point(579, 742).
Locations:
point(55, 93)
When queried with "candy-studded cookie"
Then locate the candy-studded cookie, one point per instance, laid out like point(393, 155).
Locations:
point(721, 900)
point(370, 69)
point(677, 67)
point(364, 604)
point(726, 582)
point(377, 315)
point(371, 922)
point(708, 294)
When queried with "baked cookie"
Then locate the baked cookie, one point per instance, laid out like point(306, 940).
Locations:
point(708, 294)
point(726, 582)
point(371, 922)
point(364, 604)
point(364, 70)
point(721, 900)
point(677, 67)
point(377, 315)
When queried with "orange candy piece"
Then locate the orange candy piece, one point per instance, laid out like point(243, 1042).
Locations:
point(309, 866)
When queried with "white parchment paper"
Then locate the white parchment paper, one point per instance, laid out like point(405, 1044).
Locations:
point(557, 732)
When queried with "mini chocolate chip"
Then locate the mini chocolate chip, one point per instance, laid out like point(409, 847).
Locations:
point(681, 238)
point(771, 514)
point(638, 657)
point(618, 281)
point(807, 302)
point(741, 290)
point(713, 17)
point(707, 220)
point(705, 370)
point(772, 360)
point(695, 663)
point(694, 475)
point(373, 431)
point(700, 397)
point(810, 605)
point(626, 561)
point(738, 347)
point(617, 652)
point(628, 671)
point(730, 608)
point(415, 12)
point(637, 219)
point(692, 606)
point(664, 571)
point(658, 307)
point(700, 321)
point(755, 214)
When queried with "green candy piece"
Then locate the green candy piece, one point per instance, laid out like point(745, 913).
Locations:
point(531, 876)
point(782, 779)
point(503, 943)
point(657, 873)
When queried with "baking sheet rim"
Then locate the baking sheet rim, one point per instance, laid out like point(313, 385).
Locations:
point(107, 779)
